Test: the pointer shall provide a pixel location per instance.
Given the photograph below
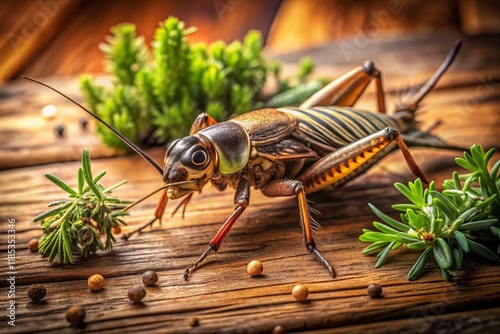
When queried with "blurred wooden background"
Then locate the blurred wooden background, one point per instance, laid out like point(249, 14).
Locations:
point(55, 37)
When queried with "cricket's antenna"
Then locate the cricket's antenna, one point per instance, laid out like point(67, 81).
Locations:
point(122, 137)
point(439, 72)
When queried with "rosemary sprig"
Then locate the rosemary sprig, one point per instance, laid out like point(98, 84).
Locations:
point(464, 217)
point(74, 226)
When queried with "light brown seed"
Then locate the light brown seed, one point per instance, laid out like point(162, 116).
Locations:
point(255, 268)
point(95, 282)
point(33, 245)
point(75, 315)
point(300, 292)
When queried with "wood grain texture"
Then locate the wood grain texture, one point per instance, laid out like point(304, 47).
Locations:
point(221, 294)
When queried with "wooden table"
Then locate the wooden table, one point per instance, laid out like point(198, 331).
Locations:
point(221, 294)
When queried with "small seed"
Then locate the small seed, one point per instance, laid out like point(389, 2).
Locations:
point(117, 230)
point(33, 245)
point(49, 111)
point(75, 315)
point(300, 292)
point(149, 278)
point(136, 293)
point(36, 292)
point(374, 290)
point(84, 122)
point(278, 329)
point(194, 321)
point(255, 268)
point(95, 282)
point(60, 130)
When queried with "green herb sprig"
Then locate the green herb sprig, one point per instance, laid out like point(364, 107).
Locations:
point(463, 218)
point(75, 226)
point(157, 92)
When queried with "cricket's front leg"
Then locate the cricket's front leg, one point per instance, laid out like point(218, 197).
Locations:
point(295, 188)
point(345, 163)
point(241, 201)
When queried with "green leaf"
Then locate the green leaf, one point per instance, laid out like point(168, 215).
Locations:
point(465, 164)
point(482, 250)
point(87, 173)
point(384, 228)
point(392, 222)
point(420, 264)
point(377, 236)
point(417, 245)
point(462, 241)
point(383, 254)
point(376, 246)
point(81, 181)
point(52, 212)
point(478, 225)
point(61, 184)
point(406, 192)
point(405, 207)
point(458, 256)
point(442, 254)
point(445, 205)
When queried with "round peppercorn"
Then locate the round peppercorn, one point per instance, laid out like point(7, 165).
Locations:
point(117, 230)
point(60, 130)
point(278, 329)
point(255, 268)
point(36, 292)
point(194, 321)
point(95, 282)
point(374, 290)
point(75, 315)
point(136, 293)
point(149, 278)
point(300, 292)
point(33, 245)
point(84, 122)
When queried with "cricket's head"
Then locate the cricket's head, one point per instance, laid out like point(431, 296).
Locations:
point(191, 159)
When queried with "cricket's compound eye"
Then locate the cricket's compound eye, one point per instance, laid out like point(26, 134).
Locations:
point(199, 158)
point(195, 158)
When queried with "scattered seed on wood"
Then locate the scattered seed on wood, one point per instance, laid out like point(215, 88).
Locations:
point(300, 292)
point(84, 122)
point(255, 268)
point(136, 293)
point(60, 130)
point(36, 292)
point(33, 245)
point(278, 330)
point(374, 290)
point(149, 278)
point(117, 230)
point(49, 111)
point(75, 315)
point(95, 282)
point(194, 321)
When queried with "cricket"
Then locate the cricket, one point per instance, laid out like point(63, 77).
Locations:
point(295, 151)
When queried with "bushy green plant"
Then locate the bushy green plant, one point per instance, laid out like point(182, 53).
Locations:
point(160, 92)
point(463, 218)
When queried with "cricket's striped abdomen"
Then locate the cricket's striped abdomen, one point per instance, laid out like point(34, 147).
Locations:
point(331, 128)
